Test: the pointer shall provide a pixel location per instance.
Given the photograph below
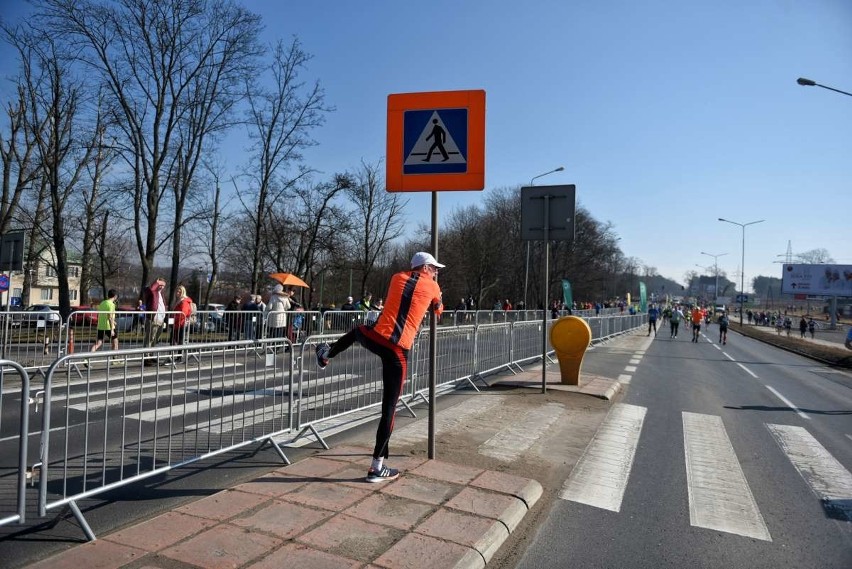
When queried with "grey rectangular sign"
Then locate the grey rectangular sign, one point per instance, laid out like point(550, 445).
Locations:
point(560, 206)
point(12, 251)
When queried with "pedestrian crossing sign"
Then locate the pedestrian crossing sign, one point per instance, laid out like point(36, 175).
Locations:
point(436, 141)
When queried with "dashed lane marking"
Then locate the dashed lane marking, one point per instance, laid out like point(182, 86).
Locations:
point(787, 402)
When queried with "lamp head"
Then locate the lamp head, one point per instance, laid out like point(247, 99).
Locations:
point(805, 82)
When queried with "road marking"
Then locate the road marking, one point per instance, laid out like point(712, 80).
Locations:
point(600, 477)
point(635, 361)
point(728, 356)
point(631, 369)
point(787, 402)
point(625, 378)
point(828, 479)
point(748, 371)
point(849, 437)
point(511, 442)
point(719, 495)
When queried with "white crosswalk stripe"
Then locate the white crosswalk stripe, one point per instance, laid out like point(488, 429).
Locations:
point(600, 477)
point(719, 495)
point(828, 479)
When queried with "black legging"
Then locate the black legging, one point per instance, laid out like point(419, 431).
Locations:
point(394, 369)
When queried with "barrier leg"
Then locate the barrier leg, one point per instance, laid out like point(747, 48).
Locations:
point(84, 525)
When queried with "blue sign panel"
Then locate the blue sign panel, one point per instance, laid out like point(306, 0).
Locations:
point(435, 141)
point(4, 282)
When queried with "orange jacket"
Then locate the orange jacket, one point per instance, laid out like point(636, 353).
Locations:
point(409, 296)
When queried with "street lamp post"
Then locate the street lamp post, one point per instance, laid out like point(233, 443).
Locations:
point(715, 272)
point(808, 83)
point(527, 274)
point(742, 271)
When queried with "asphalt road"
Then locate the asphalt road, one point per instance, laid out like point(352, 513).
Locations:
point(741, 457)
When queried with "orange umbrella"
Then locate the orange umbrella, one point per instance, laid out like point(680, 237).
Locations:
point(288, 279)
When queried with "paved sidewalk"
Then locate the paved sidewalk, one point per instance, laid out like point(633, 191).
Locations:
point(320, 512)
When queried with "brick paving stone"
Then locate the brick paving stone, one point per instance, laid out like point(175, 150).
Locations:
point(298, 556)
point(352, 475)
point(352, 538)
point(349, 454)
point(98, 554)
point(524, 488)
point(272, 484)
point(223, 505)
point(313, 467)
point(328, 496)
point(403, 463)
point(393, 511)
point(485, 535)
point(283, 519)
point(160, 532)
point(422, 489)
point(222, 547)
point(417, 551)
point(507, 509)
point(447, 472)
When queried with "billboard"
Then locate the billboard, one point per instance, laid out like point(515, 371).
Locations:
point(816, 280)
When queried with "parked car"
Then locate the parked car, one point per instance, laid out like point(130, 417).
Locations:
point(84, 316)
point(211, 318)
point(32, 315)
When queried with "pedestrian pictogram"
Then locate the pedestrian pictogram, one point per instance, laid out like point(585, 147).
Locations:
point(436, 141)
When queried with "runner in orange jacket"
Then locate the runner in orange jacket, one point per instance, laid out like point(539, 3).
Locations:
point(410, 294)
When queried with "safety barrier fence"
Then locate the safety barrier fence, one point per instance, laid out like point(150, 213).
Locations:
point(13, 474)
point(36, 339)
point(110, 418)
point(353, 382)
point(156, 410)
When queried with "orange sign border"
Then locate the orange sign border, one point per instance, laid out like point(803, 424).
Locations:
point(473, 179)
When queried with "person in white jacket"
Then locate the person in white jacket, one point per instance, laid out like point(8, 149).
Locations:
point(275, 313)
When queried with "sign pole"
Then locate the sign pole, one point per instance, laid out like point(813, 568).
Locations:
point(546, 293)
point(433, 338)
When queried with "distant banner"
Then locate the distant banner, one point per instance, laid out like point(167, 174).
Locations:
point(817, 280)
point(643, 297)
point(567, 297)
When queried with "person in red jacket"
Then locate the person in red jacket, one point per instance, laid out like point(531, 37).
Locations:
point(410, 294)
point(183, 309)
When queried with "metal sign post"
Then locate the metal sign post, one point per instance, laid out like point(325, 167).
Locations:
point(547, 214)
point(435, 141)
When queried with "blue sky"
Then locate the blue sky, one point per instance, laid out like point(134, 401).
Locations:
point(666, 114)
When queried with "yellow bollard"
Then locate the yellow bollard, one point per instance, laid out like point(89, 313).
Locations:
point(570, 336)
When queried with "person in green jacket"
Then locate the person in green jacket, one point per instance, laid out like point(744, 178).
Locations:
point(106, 322)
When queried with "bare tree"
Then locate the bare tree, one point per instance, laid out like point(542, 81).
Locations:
point(16, 154)
point(55, 99)
point(93, 201)
point(379, 218)
point(815, 257)
point(160, 60)
point(280, 121)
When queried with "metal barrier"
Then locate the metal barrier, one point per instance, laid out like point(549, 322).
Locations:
point(456, 356)
point(14, 474)
point(353, 382)
point(109, 420)
point(33, 339)
point(209, 399)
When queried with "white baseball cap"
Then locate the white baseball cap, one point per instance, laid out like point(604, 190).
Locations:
point(424, 258)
